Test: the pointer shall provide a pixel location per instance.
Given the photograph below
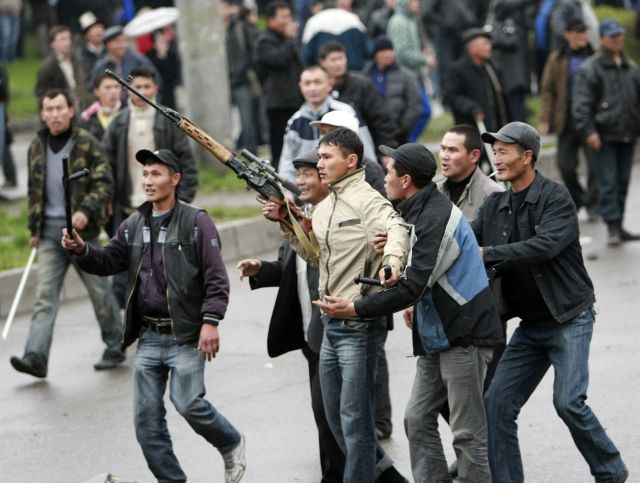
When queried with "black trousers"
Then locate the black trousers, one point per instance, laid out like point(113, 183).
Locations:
point(277, 124)
point(569, 142)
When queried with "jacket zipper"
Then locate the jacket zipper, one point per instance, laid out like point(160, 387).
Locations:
point(126, 308)
point(166, 279)
point(326, 240)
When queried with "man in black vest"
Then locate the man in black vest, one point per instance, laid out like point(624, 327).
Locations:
point(177, 295)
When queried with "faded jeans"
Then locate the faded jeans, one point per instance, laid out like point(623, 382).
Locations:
point(53, 264)
point(348, 360)
point(529, 354)
point(159, 359)
point(455, 376)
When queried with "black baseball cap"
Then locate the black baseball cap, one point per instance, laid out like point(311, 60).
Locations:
point(415, 158)
point(112, 32)
point(473, 33)
point(307, 159)
point(575, 24)
point(163, 156)
point(516, 133)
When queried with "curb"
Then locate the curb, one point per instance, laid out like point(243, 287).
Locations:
point(240, 239)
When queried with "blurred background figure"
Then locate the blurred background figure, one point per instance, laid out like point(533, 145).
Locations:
point(9, 28)
point(97, 117)
point(92, 48)
point(165, 57)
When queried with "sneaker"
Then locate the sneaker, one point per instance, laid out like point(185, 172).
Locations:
point(109, 360)
point(29, 365)
point(235, 463)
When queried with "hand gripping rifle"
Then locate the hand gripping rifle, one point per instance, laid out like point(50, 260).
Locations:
point(258, 174)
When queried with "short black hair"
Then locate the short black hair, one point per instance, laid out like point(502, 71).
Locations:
point(471, 135)
point(347, 141)
point(99, 78)
point(313, 67)
point(330, 47)
point(57, 29)
point(271, 10)
point(51, 93)
point(401, 171)
point(143, 72)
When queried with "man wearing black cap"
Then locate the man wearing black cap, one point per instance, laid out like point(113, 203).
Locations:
point(473, 88)
point(556, 94)
point(177, 295)
point(455, 323)
point(606, 108)
point(530, 241)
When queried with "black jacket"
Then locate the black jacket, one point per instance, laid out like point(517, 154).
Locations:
point(607, 98)
point(278, 66)
point(548, 225)
point(358, 91)
point(285, 328)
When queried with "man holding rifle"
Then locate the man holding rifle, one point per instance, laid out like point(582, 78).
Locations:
point(177, 295)
point(47, 217)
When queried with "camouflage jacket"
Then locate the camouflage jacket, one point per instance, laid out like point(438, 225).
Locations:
point(91, 194)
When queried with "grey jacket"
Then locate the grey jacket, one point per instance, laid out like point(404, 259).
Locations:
point(479, 188)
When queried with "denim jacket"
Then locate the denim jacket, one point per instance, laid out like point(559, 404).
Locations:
point(551, 247)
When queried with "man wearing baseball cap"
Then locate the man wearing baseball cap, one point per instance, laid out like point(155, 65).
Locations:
point(529, 238)
point(606, 108)
point(455, 323)
point(177, 296)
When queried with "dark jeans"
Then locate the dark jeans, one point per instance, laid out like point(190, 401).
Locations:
point(243, 99)
point(277, 124)
point(331, 456)
point(382, 398)
point(612, 165)
point(569, 142)
point(529, 354)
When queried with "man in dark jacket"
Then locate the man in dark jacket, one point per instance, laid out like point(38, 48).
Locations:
point(178, 294)
point(398, 85)
point(455, 323)
point(97, 117)
point(529, 237)
point(279, 66)
point(606, 108)
point(472, 88)
point(92, 48)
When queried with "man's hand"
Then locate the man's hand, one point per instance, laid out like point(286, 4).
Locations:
point(407, 315)
point(75, 245)
point(379, 241)
point(248, 268)
point(543, 128)
point(33, 242)
point(479, 116)
point(79, 220)
point(209, 343)
point(392, 280)
point(336, 307)
point(593, 141)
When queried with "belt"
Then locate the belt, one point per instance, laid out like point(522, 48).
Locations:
point(161, 325)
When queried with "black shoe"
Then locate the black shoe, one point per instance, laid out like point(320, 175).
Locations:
point(391, 475)
point(453, 469)
point(615, 236)
point(626, 236)
point(29, 365)
point(110, 360)
point(382, 435)
point(623, 477)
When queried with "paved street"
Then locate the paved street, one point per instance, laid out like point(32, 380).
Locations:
point(78, 423)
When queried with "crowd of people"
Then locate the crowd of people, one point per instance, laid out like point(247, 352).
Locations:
point(342, 94)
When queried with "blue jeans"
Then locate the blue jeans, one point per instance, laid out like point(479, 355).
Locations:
point(529, 354)
point(612, 165)
point(348, 361)
point(242, 97)
point(9, 33)
point(53, 264)
point(159, 358)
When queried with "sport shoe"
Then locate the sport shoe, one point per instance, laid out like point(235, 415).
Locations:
point(29, 365)
point(109, 360)
point(235, 463)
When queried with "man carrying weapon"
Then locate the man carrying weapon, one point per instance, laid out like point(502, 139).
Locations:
point(47, 218)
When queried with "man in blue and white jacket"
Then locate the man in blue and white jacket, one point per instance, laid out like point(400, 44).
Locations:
point(455, 324)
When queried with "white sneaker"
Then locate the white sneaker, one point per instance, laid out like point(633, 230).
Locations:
point(235, 463)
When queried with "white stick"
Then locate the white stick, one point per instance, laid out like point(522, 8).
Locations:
point(16, 300)
point(489, 150)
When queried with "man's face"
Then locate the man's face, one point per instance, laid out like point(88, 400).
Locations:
point(335, 63)
point(117, 47)
point(393, 184)
point(455, 161)
point(280, 21)
point(57, 114)
point(333, 164)
point(315, 86)
point(480, 47)
point(108, 92)
point(146, 86)
point(414, 7)
point(613, 44)
point(158, 183)
point(510, 163)
point(311, 188)
point(384, 58)
point(576, 40)
point(95, 35)
point(61, 43)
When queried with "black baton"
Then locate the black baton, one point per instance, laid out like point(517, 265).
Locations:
point(66, 184)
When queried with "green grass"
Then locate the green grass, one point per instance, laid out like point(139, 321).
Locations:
point(14, 239)
point(627, 20)
point(211, 181)
point(22, 80)
point(226, 213)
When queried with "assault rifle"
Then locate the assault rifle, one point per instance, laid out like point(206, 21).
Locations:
point(258, 174)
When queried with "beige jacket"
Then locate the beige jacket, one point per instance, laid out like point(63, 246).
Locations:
point(478, 190)
point(344, 224)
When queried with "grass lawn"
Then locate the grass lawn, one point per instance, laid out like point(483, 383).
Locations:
point(22, 80)
point(14, 239)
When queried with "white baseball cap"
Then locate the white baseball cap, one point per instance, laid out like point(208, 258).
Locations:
point(338, 119)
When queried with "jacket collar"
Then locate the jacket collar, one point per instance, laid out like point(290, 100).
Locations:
point(418, 199)
point(146, 209)
point(532, 196)
point(607, 59)
point(43, 134)
point(341, 184)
